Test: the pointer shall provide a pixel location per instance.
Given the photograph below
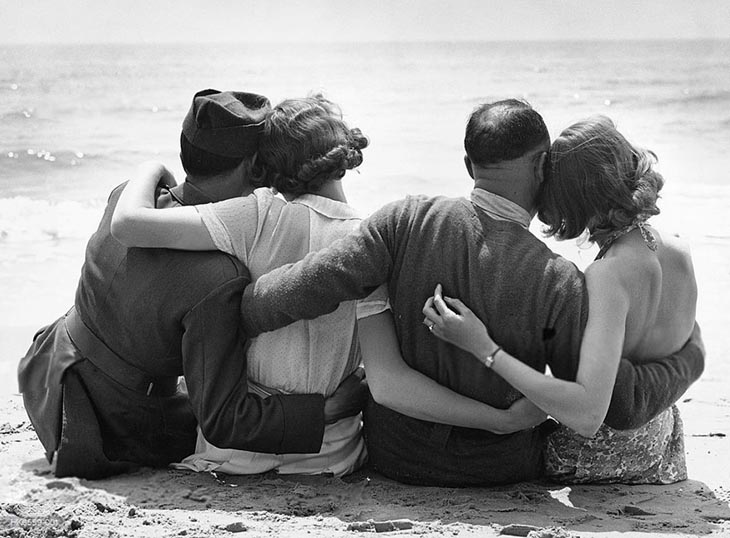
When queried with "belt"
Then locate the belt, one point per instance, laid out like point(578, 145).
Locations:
point(124, 373)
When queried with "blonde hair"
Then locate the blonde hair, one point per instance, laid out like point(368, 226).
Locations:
point(597, 181)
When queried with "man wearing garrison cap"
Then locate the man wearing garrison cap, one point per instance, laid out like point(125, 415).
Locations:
point(100, 384)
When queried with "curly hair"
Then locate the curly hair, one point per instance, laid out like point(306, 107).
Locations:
point(502, 131)
point(306, 143)
point(597, 181)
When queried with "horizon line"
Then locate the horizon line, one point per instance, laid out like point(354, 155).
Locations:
point(376, 41)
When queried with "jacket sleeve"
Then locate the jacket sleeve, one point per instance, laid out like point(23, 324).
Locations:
point(643, 390)
point(351, 268)
point(214, 364)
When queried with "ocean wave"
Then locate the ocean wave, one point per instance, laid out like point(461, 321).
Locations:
point(19, 115)
point(24, 220)
point(27, 157)
point(715, 96)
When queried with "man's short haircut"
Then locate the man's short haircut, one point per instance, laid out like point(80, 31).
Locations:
point(196, 161)
point(503, 131)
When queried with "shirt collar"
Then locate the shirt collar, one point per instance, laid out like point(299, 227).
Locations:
point(326, 206)
point(500, 208)
point(187, 194)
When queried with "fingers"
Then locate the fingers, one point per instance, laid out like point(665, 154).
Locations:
point(457, 305)
point(438, 301)
point(432, 316)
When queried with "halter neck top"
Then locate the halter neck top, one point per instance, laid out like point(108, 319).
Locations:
point(646, 235)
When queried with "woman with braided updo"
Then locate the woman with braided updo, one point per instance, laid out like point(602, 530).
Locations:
point(305, 150)
point(642, 297)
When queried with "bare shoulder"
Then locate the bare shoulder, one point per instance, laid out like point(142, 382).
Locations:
point(629, 268)
point(608, 275)
point(674, 245)
point(675, 255)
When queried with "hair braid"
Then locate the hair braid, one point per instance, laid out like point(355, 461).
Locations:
point(306, 143)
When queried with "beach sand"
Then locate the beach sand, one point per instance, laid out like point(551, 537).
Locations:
point(152, 503)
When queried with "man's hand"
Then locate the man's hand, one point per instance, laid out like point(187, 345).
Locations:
point(523, 414)
point(349, 398)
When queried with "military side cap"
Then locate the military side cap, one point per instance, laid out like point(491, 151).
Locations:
point(226, 123)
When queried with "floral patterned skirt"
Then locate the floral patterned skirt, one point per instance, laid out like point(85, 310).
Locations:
point(652, 454)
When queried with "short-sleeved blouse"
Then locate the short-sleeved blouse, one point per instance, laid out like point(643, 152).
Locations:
point(310, 355)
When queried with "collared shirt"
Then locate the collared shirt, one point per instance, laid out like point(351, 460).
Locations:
point(500, 208)
point(265, 231)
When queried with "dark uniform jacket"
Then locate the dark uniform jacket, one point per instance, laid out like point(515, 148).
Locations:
point(101, 384)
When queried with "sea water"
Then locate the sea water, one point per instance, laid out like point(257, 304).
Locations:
point(76, 120)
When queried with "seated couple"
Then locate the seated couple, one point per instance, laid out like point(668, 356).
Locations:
point(446, 405)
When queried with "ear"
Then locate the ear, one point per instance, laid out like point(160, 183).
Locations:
point(247, 176)
point(467, 163)
point(540, 164)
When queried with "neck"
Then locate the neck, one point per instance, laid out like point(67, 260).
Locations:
point(215, 187)
point(510, 188)
point(331, 189)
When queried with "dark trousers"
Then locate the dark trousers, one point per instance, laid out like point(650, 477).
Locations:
point(424, 453)
point(108, 429)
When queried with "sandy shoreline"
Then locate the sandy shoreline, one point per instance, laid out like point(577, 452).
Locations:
point(176, 503)
point(151, 503)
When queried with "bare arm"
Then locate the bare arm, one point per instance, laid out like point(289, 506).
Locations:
point(581, 405)
point(396, 385)
point(138, 223)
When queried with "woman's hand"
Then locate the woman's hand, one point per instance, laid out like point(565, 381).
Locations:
point(137, 222)
point(523, 414)
point(153, 169)
point(453, 321)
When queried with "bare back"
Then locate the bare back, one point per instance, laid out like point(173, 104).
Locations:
point(661, 288)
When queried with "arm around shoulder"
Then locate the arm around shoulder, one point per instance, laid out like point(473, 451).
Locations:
point(644, 390)
point(351, 268)
point(136, 221)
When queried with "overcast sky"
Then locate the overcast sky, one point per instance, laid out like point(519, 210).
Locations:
point(98, 21)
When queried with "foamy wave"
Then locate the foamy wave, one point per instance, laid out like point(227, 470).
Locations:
point(26, 220)
point(28, 157)
point(712, 97)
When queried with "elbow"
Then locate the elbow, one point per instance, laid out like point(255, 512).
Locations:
point(588, 425)
point(380, 392)
point(216, 435)
point(128, 230)
point(377, 392)
point(587, 430)
point(121, 226)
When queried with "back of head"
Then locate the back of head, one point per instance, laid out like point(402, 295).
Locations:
point(598, 181)
point(306, 143)
point(503, 131)
point(221, 130)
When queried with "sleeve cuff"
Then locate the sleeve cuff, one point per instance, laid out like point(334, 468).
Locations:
point(303, 423)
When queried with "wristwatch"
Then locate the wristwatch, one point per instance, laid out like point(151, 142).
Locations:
point(489, 359)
